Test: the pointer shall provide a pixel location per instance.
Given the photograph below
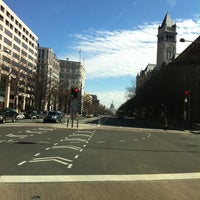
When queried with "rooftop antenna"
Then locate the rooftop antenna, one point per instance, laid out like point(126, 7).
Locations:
point(80, 56)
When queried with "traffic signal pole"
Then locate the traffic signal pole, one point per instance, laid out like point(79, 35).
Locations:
point(73, 105)
point(187, 112)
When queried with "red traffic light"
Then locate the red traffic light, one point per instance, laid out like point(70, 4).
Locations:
point(186, 92)
point(76, 90)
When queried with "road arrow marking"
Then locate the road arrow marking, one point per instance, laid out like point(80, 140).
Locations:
point(67, 147)
point(38, 132)
point(84, 135)
point(57, 159)
point(76, 139)
point(46, 129)
point(21, 163)
point(92, 132)
point(20, 136)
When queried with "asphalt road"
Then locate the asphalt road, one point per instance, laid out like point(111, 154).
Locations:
point(46, 150)
point(106, 151)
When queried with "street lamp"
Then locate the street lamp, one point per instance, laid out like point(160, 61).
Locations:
point(184, 40)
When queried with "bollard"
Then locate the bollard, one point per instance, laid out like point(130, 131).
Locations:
point(72, 121)
point(67, 122)
point(77, 123)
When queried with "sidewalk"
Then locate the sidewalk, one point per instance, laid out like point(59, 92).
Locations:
point(154, 190)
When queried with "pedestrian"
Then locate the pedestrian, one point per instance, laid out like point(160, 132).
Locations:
point(165, 124)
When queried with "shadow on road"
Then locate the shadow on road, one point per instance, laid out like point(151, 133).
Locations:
point(126, 122)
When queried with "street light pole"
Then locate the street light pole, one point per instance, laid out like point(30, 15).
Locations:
point(184, 40)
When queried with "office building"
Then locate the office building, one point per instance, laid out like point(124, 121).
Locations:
point(47, 81)
point(72, 75)
point(18, 60)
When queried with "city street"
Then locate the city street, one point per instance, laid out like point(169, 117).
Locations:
point(106, 149)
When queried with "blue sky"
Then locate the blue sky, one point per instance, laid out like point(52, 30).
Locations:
point(117, 38)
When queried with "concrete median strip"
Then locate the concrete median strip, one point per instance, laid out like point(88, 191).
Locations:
point(98, 178)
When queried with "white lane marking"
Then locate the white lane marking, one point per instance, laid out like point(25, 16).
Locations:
point(76, 139)
point(56, 144)
point(57, 159)
point(21, 163)
point(19, 136)
point(70, 166)
point(98, 178)
point(84, 135)
point(148, 135)
point(135, 140)
point(67, 147)
point(46, 129)
point(75, 142)
point(29, 131)
point(83, 131)
point(76, 156)
point(47, 148)
point(37, 154)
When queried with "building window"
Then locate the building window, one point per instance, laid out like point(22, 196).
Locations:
point(17, 40)
point(24, 53)
point(2, 9)
point(16, 48)
point(8, 42)
point(7, 23)
point(1, 18)
point(8, 14)
point(7, 32)
point(24, 45)
point(169, 53)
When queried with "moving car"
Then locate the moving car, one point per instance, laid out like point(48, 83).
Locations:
point(8, 115)
point(54, 116)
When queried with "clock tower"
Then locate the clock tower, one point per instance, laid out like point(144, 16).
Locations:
point(166, 43)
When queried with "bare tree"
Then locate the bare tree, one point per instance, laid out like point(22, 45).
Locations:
point(130, 91)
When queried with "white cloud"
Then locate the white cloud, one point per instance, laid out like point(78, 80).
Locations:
point(125, 52)
point(172, 3)
point(106, 98)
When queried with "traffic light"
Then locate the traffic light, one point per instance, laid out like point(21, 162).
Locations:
point(187, 94)
point(74, 92)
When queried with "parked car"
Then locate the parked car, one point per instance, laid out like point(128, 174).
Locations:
point(54, 116)
point(20, 116)
point(8, 115)
point(31, 115)
point(40, 114)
